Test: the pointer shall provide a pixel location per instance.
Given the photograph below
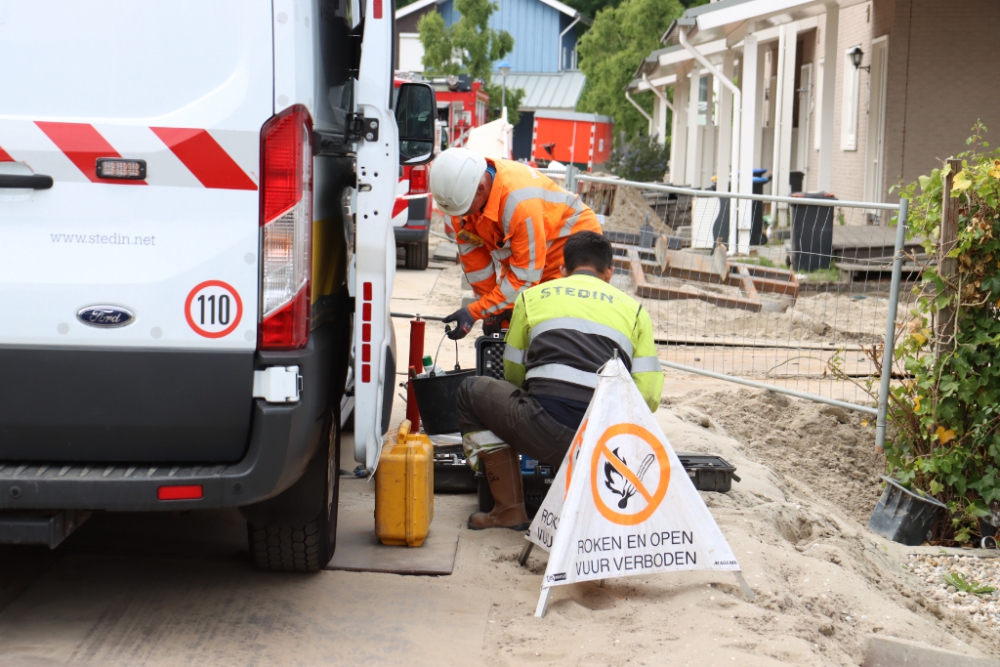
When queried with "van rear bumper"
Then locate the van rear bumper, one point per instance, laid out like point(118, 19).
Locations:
point(283, 438)
point(135, 487)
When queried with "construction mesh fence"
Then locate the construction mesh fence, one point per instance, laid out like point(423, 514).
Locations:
point(803, 306)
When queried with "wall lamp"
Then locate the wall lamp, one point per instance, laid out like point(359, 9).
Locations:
point(856, 55)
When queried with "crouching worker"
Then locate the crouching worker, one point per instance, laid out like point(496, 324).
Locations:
point(561, 333)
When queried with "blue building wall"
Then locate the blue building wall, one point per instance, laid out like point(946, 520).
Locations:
point(535, 28)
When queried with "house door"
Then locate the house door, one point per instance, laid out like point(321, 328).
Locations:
point(875, 146)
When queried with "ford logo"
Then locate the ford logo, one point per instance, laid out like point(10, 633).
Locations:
point(106, 317)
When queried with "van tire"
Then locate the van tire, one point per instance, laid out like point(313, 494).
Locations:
point(287, 548)
point(417, 255)
point(302, 547)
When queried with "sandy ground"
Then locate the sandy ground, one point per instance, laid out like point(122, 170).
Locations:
point(179, 589)
point(796, 522)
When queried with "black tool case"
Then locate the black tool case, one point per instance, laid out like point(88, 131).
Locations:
point(489, 356)
point(709, 473)
point(451, 473)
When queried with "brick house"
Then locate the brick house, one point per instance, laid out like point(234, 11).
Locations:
point(854, 96)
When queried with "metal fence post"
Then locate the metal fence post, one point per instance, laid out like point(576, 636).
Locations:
point(890, 326)
point(570, 182)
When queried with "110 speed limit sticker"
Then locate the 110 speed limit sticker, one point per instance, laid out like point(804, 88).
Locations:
point(213, 309)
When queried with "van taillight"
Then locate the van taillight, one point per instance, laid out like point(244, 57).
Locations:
point(285, 230)
point(418, 180)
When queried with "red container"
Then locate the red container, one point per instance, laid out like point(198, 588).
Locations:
point(571, 137)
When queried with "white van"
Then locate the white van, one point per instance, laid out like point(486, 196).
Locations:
point(195, 228)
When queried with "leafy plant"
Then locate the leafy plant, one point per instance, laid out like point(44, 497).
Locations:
point(756, 261)
point(469, 46)
point(620, 38)
point(641, 159)
point(945, 417)
point(969, 586)
point(828, 275)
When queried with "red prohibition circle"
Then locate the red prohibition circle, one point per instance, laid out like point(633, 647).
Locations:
point(213, 334)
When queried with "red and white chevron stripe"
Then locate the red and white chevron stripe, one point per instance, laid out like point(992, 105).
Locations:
point(175, 157)
point(401, 207)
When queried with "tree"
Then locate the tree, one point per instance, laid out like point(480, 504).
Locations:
point(610, 53)
point(470, 47)
point(592, 7)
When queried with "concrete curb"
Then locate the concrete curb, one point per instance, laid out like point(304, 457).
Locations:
point(893, 652)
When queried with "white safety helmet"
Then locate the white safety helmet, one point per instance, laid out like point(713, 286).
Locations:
point(455, 175)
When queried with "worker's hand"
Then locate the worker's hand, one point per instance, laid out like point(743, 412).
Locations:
point(463, 323)
point(497, 324)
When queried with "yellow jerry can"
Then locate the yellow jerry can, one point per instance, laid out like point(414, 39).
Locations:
point(404, 489)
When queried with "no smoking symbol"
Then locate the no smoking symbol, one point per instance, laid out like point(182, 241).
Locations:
point(213, 309)
point(629, 481)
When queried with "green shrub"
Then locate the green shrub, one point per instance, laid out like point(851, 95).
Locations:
point(640, 159)
point(944, 419)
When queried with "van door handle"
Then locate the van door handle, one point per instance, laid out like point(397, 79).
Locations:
point(33, 181)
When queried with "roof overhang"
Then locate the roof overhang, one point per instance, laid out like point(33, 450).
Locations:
point(642, 85)
point(663, 66)
point(554, 4)
point(414, 7)
point(567, 10)
point(729, 19)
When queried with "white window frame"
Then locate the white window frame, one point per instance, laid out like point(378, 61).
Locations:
point(818, 117)
point(851, 98)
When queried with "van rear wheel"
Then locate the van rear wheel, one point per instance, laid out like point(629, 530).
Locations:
point(288, 545)
point(417, 255)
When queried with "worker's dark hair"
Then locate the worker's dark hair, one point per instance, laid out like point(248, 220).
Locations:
point(587, 249)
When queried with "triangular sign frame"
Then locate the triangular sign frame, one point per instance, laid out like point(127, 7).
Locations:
point(622, 503)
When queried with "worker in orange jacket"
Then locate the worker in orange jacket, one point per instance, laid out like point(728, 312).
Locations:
point(505, 212)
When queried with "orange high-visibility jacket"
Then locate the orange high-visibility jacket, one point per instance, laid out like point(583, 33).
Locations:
point(524, 226)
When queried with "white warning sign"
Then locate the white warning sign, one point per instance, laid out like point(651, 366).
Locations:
point(622, 503)
point(213, 309)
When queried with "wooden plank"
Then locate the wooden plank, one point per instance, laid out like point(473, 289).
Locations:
point(783, 287)
point(666, 292)
point(700, 268)
point(636, 275)
point(746, 284)
point(947, 266)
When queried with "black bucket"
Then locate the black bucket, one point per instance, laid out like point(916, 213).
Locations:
point(903, 516)
point(436, 399)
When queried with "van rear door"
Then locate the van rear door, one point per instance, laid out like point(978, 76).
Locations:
point(130, 287)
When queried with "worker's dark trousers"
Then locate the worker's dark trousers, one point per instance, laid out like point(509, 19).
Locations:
point(495, 405)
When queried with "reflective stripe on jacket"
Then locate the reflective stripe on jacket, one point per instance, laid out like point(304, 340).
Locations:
point(563, 331)
point(523, 226)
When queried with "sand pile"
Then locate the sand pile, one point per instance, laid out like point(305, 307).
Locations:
point(823, 581)
point(828, 451)
point(630, 210)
